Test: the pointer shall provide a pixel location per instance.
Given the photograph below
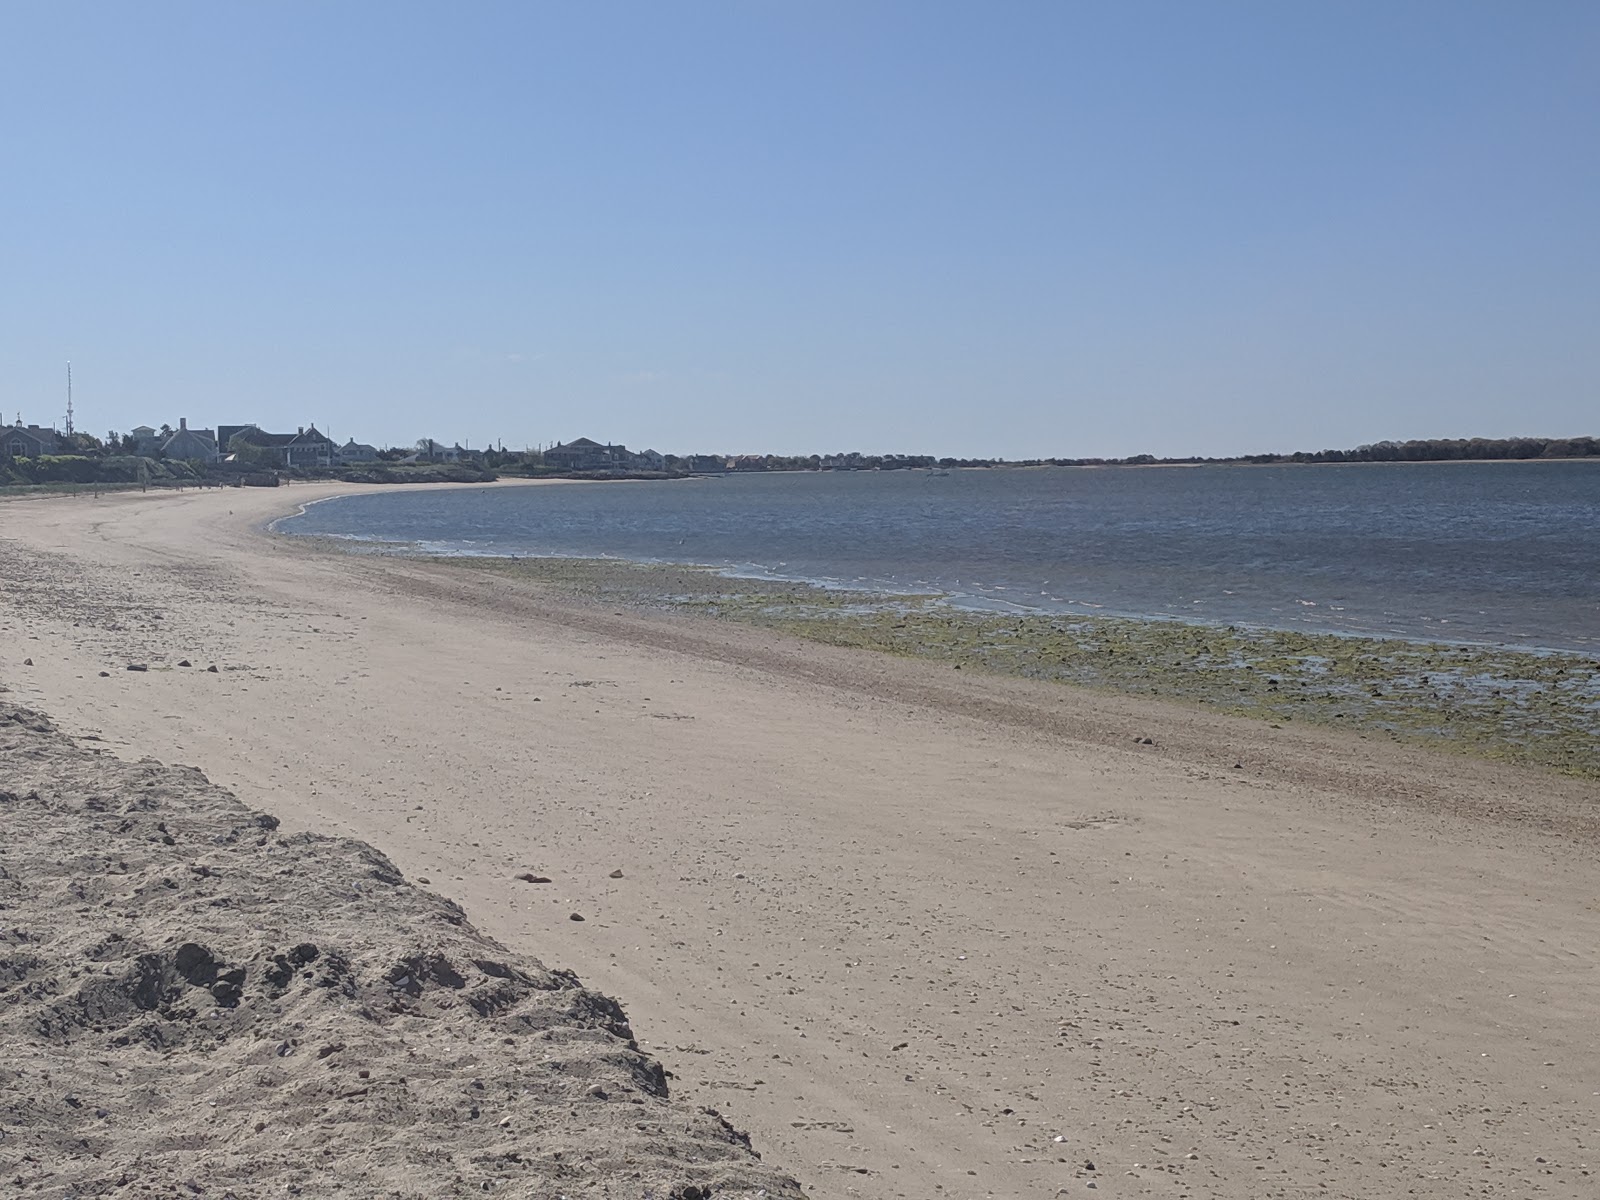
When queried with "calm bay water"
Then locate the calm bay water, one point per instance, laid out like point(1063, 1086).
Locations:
point(1483, 552)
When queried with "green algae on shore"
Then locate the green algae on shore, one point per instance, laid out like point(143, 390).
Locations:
point(1527, 707)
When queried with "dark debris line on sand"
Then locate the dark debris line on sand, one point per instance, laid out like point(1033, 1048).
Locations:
point(191, 1000)
point(1533, 708)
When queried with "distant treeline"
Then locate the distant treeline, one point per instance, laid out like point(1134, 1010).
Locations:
point(1429, 450)
point(1433, 450)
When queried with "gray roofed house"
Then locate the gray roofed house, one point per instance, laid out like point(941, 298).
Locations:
point(357, 452)
point(585, 454)
point(305, 448)
point(27, 441)
point(191, 443)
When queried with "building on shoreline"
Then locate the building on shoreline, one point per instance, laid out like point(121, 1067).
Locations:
point(306, 447)
point(189, 443)
point(28, 441)
point(585, 454)
point(356, 452)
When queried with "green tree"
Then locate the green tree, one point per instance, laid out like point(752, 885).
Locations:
point(248, 452)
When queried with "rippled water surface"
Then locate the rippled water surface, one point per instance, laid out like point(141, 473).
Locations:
point(1492, 552)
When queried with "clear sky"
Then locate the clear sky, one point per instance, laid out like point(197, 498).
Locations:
point(987, 228)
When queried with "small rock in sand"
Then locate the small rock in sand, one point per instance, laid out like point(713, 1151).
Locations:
point(212, 668)
point(27, 662)
point(617, 874)
point(138, 667)
point(184, 662)
point(528, 877)
point(575, 917)
point(105, 674)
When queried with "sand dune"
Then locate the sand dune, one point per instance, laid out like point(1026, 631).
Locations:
point(919, 933)
point(197, 1003)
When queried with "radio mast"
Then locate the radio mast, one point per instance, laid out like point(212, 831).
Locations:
point(69, 399)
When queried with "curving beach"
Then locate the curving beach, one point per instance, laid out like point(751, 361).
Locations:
point(917, 931)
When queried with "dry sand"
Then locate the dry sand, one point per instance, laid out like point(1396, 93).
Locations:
point(921, 933)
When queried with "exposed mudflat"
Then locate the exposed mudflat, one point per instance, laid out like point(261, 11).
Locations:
point(195, 1003)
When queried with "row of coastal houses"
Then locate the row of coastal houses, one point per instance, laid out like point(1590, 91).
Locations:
point(306, 447)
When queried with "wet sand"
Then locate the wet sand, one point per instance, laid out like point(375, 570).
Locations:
point(920, 931)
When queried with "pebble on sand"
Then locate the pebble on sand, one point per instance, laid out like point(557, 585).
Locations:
point(575, 917)
point(617, 874)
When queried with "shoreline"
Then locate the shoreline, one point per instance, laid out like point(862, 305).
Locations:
point(919, 931)
point(1426, 632)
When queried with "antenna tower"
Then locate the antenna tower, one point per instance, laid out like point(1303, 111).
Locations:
point(69, 399)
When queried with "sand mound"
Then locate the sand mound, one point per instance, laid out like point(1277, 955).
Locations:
point(194, 1003)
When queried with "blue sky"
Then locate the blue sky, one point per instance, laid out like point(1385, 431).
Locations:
point(1006, 229)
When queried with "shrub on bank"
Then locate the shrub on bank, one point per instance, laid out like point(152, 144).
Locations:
point(417, 473)
point(78, 469)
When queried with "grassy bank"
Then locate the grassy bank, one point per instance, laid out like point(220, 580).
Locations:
point(64, 489)
point(1537, 709)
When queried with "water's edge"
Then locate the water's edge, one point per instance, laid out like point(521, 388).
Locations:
point(1536, 708)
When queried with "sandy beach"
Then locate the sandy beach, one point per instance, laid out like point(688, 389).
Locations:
point(919, 932)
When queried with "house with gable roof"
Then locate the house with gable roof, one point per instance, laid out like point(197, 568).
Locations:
point(191, 443)
point(306, 447)
point(585, 454)
point(357, 452)
point(27, 441)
